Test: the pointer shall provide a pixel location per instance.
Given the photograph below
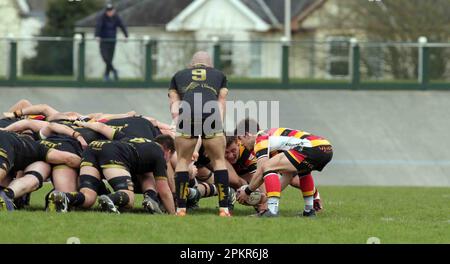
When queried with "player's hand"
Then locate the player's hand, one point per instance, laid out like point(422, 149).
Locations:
point(193, 170)
point(131, 113)
point(241, 196)
point(8, 114)
point(83, 142)
point(79, 123)
point(195, 156)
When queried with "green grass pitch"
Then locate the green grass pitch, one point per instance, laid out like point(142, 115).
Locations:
point(351, 215)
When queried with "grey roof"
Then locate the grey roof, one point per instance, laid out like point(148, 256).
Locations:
point(297, 7)
point(142, 12)
point(161, 12)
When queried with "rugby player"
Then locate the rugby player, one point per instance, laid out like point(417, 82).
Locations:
point(191, 92)
point(117, 159)
point(299, 154)
point(60, 137)
point(20, 152)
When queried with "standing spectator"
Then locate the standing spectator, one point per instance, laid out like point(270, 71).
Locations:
point(105, 32)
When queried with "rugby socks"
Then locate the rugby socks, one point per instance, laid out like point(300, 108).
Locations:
point(222, 183)
point(192, 182)
point(308, 189)
point(75, 198)
point(152, 194)
point(181, 182)
point(273, 189)
point(9, 193)
point(119, 198)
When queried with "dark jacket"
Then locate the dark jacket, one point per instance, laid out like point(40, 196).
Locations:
point(107, 26)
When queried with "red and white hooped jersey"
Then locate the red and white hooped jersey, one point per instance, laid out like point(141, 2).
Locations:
point(275, 140)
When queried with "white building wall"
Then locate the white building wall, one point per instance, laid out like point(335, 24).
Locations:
point(11, 24)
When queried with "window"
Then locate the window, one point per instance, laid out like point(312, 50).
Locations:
point(255, 59)
point(338, 57)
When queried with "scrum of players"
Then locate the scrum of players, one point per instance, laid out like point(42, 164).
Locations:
point(108, 159)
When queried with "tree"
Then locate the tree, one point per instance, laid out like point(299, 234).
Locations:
point(54, 57)
point(399, 21)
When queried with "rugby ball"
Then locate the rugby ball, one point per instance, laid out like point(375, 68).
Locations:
point(254, 198)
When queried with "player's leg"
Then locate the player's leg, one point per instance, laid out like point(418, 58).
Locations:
point(6, 204)
point(90, 185)
point(151, 200)
point(306, 185)
point(184, 148)
point(215, 149)
point(34, 176)
point(64, 178)
point(271, 169)
point(123, 195)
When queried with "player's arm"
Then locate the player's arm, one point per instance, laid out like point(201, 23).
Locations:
point(98, 127)
point(174, 101)
point(158, 124)
point(262, 154)
point(101, 116)
point(222, 99)
point(26, 124)
point(162, 184)
point(40, 109)
point(174, 104)
point(55, 128)
point(56, 157)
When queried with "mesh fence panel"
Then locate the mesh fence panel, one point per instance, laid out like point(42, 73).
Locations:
point(439, 66)
point(319, 60)
point(45, 59)
point(128, 59)
point(389, 62)
point(4, 61)
point(168, 57)
point(251, 60)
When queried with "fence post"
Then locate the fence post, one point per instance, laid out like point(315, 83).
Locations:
point(285, 61)
point(424, 64)
point(217, 60)
point(148, 59)
point(79, 40)
point(354, 63)
point(12, 74)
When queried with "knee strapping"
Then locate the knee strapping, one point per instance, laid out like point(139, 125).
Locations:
point(90, 182)
point(37, 175)
point(122, 183)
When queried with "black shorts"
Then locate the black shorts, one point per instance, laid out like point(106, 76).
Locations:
point(6, 158)
point(309, 159)
point(107, 154)
point(68, 145)
point(205, 126)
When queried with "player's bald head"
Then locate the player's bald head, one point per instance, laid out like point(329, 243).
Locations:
point(201, 57)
